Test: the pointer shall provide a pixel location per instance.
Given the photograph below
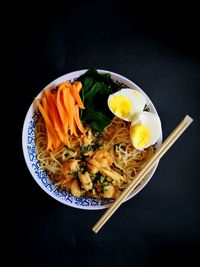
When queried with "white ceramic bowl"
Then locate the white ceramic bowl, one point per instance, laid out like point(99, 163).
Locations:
point(30, 155)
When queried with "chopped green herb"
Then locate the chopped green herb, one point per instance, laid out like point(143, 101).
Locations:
point(106, 181)
point(103, 189)
point(88, 148)
point(97, 178)
point(83, 168)
point(95, 146)
point(83, 157)
point(76, 174)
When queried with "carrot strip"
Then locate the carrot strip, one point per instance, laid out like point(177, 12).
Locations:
point(69, 103)
point(50, 131)
point(51, 101)
point(77, 118)
point(49, 140)
point(46, 118)
point(60, 111)
point(64, 85)
point(75, 89)
point(63, 114)
point(78, 86)
point(55, 138)
point(74, 127)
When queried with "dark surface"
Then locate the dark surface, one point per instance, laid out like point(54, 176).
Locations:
point(158, 50)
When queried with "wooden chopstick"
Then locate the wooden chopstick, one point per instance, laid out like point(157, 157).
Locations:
point(182, 126)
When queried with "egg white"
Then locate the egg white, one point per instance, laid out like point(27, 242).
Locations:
point(137, 100)
point(152, 122)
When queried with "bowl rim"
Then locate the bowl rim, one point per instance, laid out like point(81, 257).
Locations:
point(25, 150)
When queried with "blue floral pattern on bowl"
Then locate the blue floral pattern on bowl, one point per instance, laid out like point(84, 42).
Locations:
point(45, 180)
point(41, 177)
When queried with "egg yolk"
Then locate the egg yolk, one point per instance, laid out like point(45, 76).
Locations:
point(140, 135)
point(121, 106)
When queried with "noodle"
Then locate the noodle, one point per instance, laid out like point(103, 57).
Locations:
point(126, 157)
point(94, 165)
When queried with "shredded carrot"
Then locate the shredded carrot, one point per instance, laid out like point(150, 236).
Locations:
point(52, 138)
point(64, 85)
point(78, 86)
point(63, 114)
point(77, 119)
point(69, 104)
point(60, 111)
point(55, 116)
point(75, 89)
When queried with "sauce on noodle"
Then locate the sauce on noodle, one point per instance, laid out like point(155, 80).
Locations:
point(94, 165)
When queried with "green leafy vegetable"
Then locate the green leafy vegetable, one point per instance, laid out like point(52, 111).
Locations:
point(97, 119)
point(76, 174)
point(96, 89)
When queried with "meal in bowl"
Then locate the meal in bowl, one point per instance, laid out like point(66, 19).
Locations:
point(93, 135)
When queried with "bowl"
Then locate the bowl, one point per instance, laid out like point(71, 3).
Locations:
point(30, 154)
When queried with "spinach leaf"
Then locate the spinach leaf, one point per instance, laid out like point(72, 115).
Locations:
point(95, 92)
point(97, 119)
point(87, 83)
point(92, 76)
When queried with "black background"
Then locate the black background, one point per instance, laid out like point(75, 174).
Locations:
point(158, 48)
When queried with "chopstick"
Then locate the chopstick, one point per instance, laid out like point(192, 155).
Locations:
point(171, 139)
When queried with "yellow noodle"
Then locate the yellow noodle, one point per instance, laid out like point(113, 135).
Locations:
point(125, 156)
point(127, 161)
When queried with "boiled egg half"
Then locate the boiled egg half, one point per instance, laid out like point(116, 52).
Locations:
point(126, 103)
point(145, 130)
